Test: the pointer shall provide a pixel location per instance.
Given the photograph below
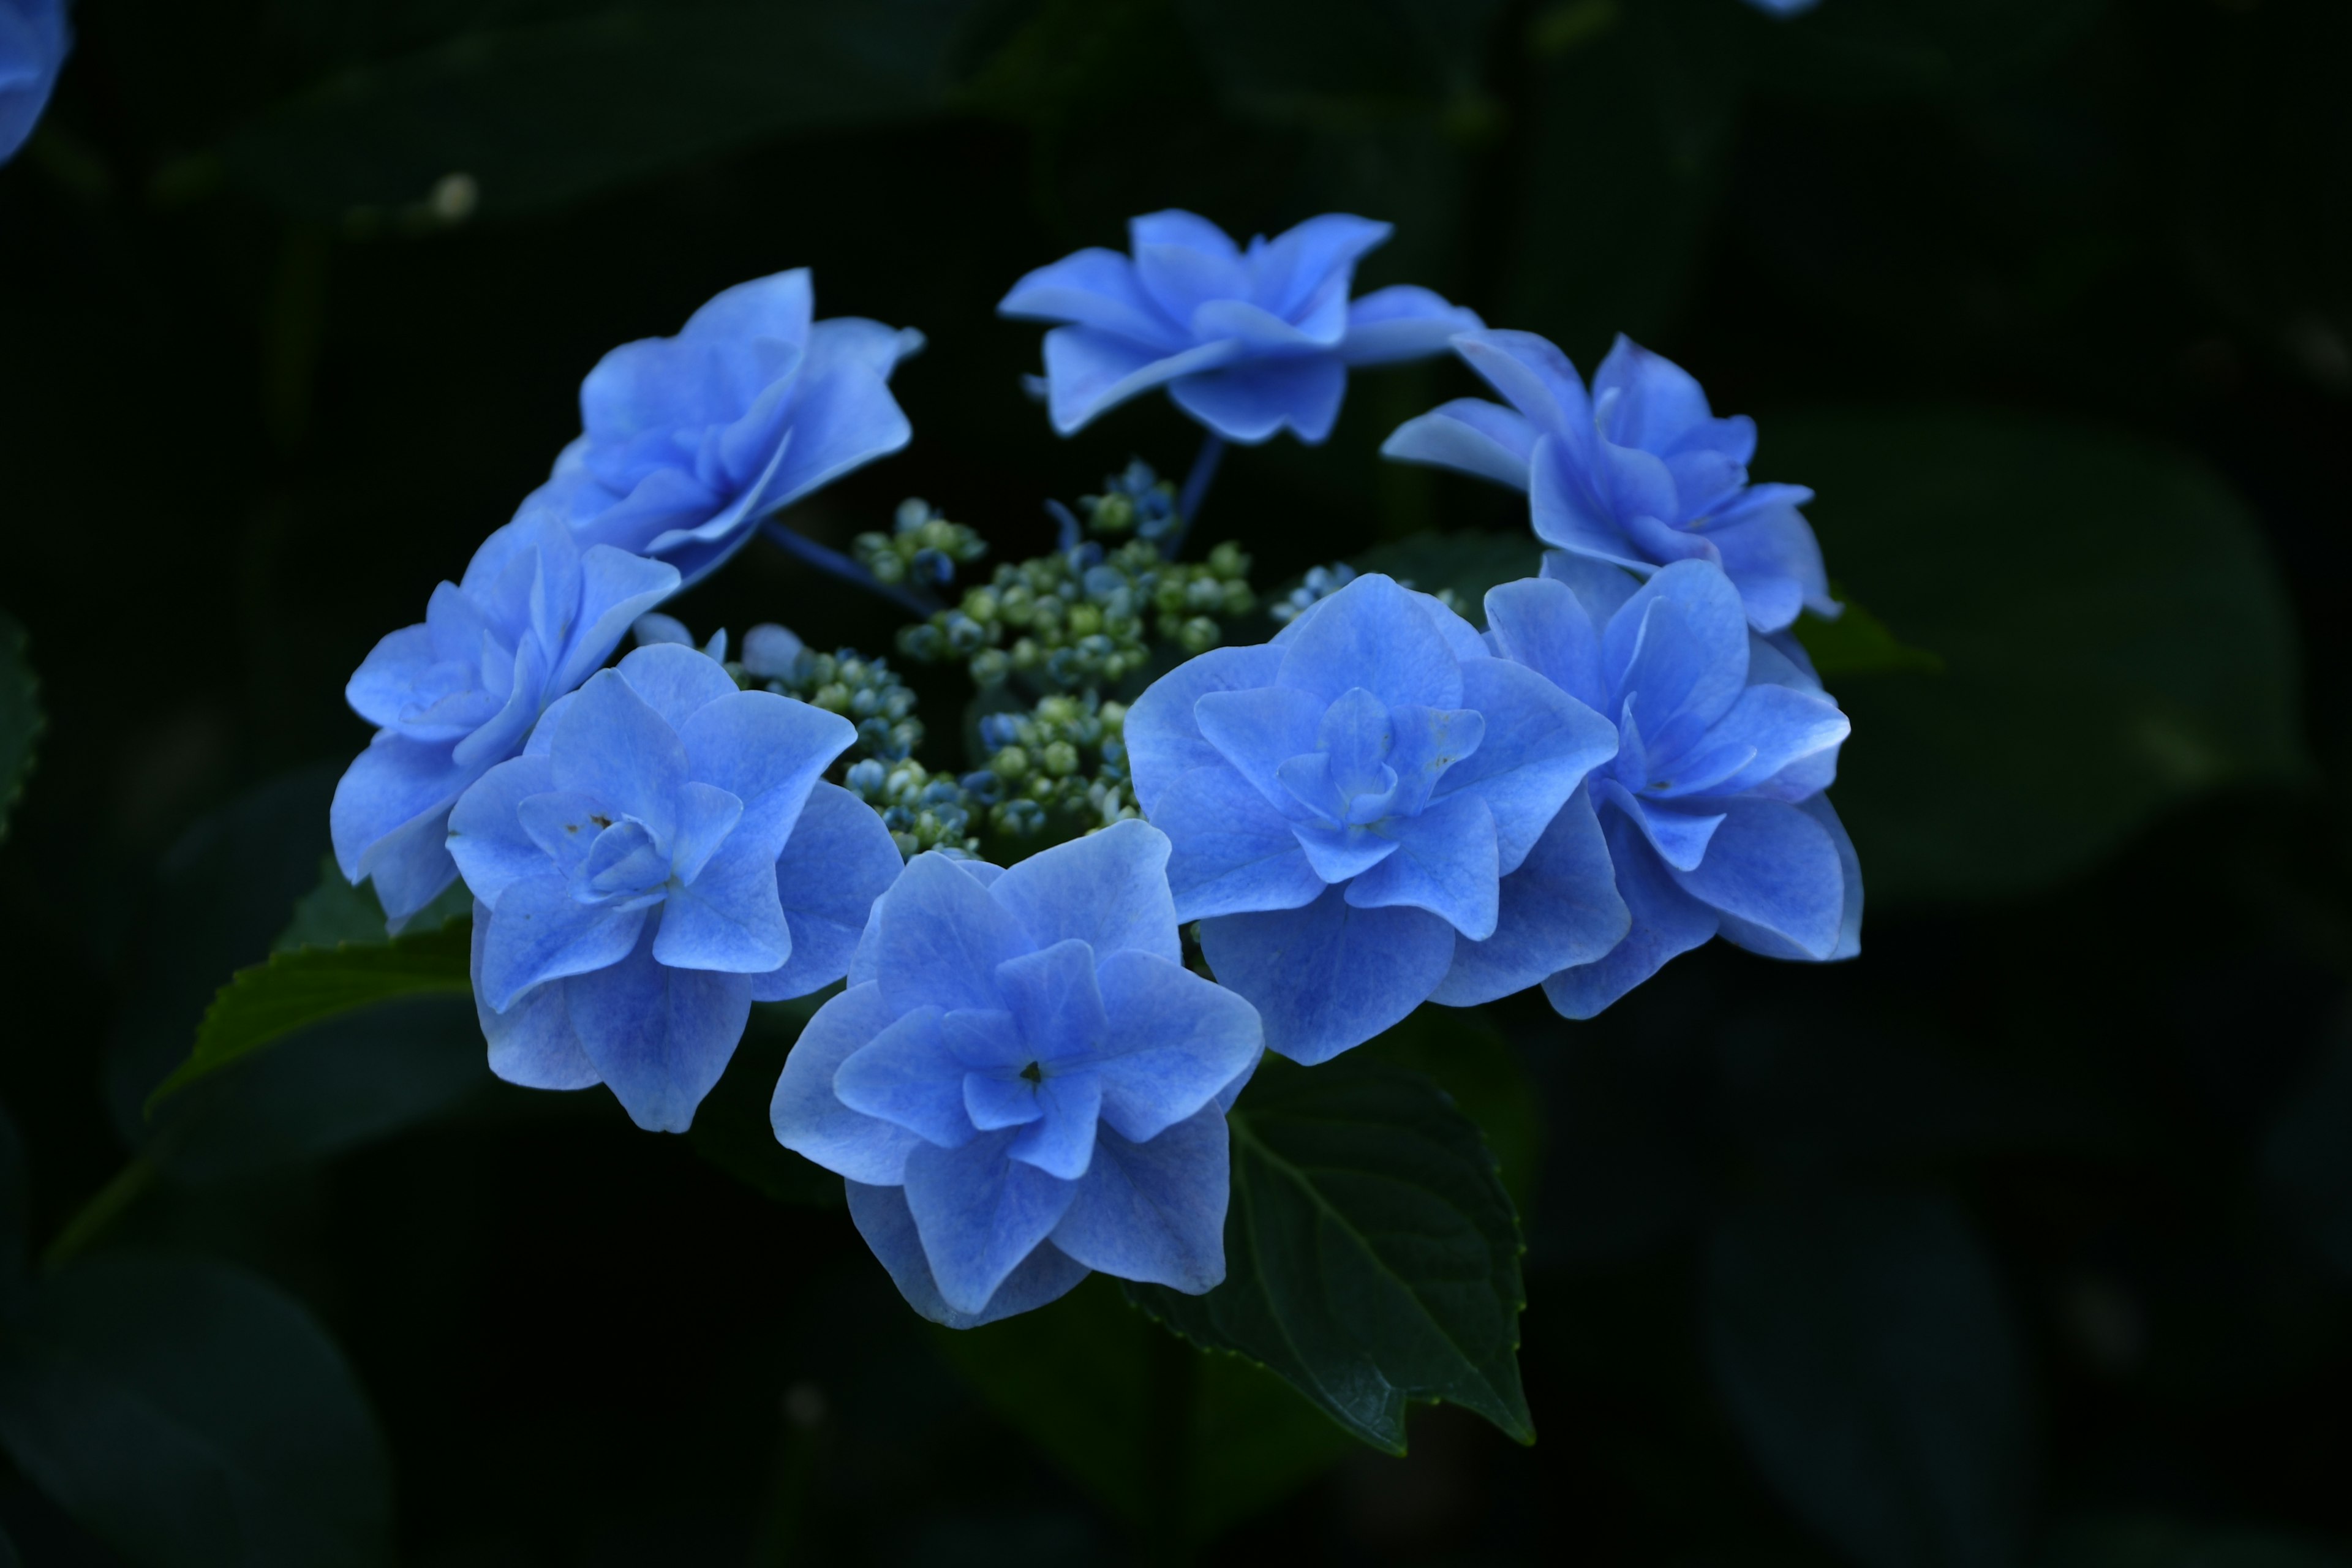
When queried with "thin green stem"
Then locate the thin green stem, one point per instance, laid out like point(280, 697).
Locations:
point(96, 1217)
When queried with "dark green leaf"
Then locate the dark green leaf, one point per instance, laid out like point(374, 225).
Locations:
point(1862, 1344)
point(1859, 643)
point(1372, 1253)
point(189, 1414)
point(731, 1126)
point(1162, 1433)
point(2152, 1541)
point(13, 1216)
point(272, 1000)
point(2116, 636)
point(335, 913)
point(1460, 566)
point(1464, 1054)
point(536, 116)
point(20, 716)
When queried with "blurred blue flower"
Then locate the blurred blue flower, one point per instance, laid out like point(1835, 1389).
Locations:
point(1246, 342)
point(691, 441)
point(33, 38)
point(1712, 809)
point(1024, 1082)
point(664, 855)
point(1784, 8)
point(533, 617)
point(1349, 803)
point(1641, 473)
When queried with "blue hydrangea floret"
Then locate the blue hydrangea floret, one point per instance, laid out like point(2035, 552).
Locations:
point(664, 854)
point(1024, 1082)
point(1639, 472)
point(1364, 816)
point(533, 617)
point(689, 442)
point(1712, 809)
point(1247, 341)
point(33, 38)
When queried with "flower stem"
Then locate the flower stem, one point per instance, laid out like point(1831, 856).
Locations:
point(1196, 489)
point(914, 602)
point(97, 1216)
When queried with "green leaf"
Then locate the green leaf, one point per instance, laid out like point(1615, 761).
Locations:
point(2152, 1541)
point(1862, 1347)
point(2114, 634)
point(1165, 1436)
point(190, 1414)
point(335, 913)
point(273, 999)
point(535, 117)
point(1459, 567)
point(21, 721)
point(1460, 1052)
point(1371, 1252)
point(1859, 643)
point(731, 1126)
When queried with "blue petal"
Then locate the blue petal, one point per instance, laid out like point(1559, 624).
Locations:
point(487, 836)
point(660, 1037)
point(1088, 372)
point(1314, 261)
point(410, 868)
point(1062, 1142)
point(940, 938)
point(865, 960)
point(1651, 402)
point(1681, 643)
point(1248, 402)
point(810, 1118)
point(1174, 225)
point(728, 918)
point(1471, 436)
point(906, 1076)
point(843, 419)
point(1340, 854)
point(383, 690)
point(1182, 277)
point(1850, 922)
point(985, 1040)
point(1095, 288)
point(1540, 622)
point(532, 1043)
point(995, 1102)
point(1256, 732)
point(1372, 634)
point(1163, 740)
point(1566, 510)
point(1783, 726)
point(979, 1214)
point(769, 752)
point(1445, 863)
point(888, 1226)
point(614, 746)
point(1561, 908)
point(1539, 743)
point(776, 307)
point(1173, 1042)
point(539, 932)
point(676, 680)
point(837, 862)
point(1601, 588)
point(1775, 869)
point(1533, 377)
point(1108, 889)
point(1330, 976)
point(1231, 850)
point(1154, 1211)
point(707, 819)
point(395, 785)
point(1054, 999)
point(1665, 922)
point(615, 588)
point(1678, 832)
point(1402, 323)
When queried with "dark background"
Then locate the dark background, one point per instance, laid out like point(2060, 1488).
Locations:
point(2027, 1236)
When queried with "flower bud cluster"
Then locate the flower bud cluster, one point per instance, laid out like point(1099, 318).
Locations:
point(923, 810)
point(865, 691)
point(1321, 581)
point(922, 547)
point(1138, 499)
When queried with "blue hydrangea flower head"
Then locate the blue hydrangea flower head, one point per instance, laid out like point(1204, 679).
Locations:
point(689, 442)
point(33, 38)
point(1247, 342)
point(1024, 1082)
point(663, 855)
point(1362, 813)
point(534, 615)
point(1640, 472)
point(1712, 807)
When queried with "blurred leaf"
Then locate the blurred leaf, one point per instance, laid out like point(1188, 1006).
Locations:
point(1625, 152)
point(1372, 1253)
point(2151, 1540)
point(14, 1216)
point(1092, 1382)
point(20, 716)
point(335, 913)
point(1862, 1347)
point(1344, 62)
point(1859, 643)
point(533, 117)
point(273, 999)
point(1865, 50)
point(1464, 1054)
point(2116, 636)
point(2307, 1158)
point(190, 1414)
point(1465, 564)
point(731, 1126)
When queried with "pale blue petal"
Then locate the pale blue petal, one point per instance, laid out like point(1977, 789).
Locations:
point(1155, 1211)
point(837, 862)
point(1679, 832)
point(1688, 655)
point(660, 1037)
point(539, 932)
point(985, 1040)
point(614, 746)
point(810, 1118)
point(1182, 277)
point(532, 1043)
point(1339, 854)
point(707, 819)
point(1062, 1142)
point(1230, 851)
point(1784, 726)
point(396, 785)
point(410, 868)
point(1402, 323)
point(1445, 863)
point(1540, 744)
point(855, 340)
point(1665, 922)
point(1088, 372)
point(767, 751)
point(615, 588)
point(1650, 401)
point(1173, 1042)
point(1312, 260)
point(1372, 634)
point(1247, 402)
point(1773, 868)
point(845, 418)
point(1163, 740)
point(728, 918)
point(383, 690)
point(994, 1103)
point(1559, 908)
point(1330, 976)
point(907, 1076)
point(1108, 889)
point(677, 681)
point(940, 938)
point(1176, 227)
point(1533, 377)
point(1601, 588)
point(864, 961)
point(487, 836)
point(979, 1214)
point(1565, 510)
point(1256, 732)
point(1471, 436)
point(1095, 288)
point(1053, 997)
point(1540, 622)
point(777, 308)
point(888, 1226)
